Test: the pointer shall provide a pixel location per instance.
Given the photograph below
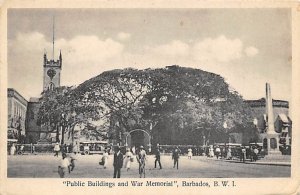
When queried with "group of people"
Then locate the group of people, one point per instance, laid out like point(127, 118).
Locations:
point(16, 149)
point(251, 153)
point(220, 153)
point(242, 153)
point(121, 160)
point(141, 159)
point(124, 160)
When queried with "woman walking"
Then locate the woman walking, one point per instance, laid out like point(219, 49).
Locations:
point(211, 152)
point(12, 149)
point(190, 154)
point(128, 157)
point(105, 158)
point(229, 156)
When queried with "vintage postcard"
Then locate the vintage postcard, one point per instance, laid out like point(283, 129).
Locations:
point(156, 96)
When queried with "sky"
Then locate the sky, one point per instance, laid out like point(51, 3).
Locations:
point(248, 47)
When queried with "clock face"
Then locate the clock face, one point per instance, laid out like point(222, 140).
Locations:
point(51, 73)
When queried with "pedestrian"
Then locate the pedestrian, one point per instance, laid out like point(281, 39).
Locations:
point(190, 154)
point(223, 153)
point(21, 149)
point(133, 150)
point(118, 162)
point(157, 158)
point(12, 149)
point(255, 151)
point(175, 157)
point(33, 148)
point(218, 152)
point(72, 162)
point(229, 156)
point(141, 158)
point(243, 154)
point(128, 159)
point(75, 148)
point(211, 152)
point(56, 149)
point(64, 165)
point(105, 158)
point(251, 154)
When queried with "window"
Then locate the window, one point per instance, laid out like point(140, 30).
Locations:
point(51, 86)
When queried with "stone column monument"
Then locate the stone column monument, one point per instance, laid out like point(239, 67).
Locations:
point(270, 137)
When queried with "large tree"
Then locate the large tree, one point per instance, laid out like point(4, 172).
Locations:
point(177, 105)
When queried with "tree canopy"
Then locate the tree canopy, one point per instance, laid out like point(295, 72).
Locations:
point(176, 105)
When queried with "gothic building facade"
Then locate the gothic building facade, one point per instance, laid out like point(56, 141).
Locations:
point(51, 79)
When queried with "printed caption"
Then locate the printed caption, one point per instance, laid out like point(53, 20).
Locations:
point(149, 183)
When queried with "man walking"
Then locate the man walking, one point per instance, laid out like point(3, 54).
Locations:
point(175, 157)
point(118, 162)
point(157, 158)
point(141, 158)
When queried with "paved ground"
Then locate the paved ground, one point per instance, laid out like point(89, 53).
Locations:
point(45, 166)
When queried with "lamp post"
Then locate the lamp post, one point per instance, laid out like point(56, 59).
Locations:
point(73, 117)
point(126, 139)
point(225, 126)
point(63, 126)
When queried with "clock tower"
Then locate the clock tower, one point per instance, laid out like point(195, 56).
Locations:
point(52, 71)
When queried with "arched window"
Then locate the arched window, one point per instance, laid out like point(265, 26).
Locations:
point(51, 86)
point(273, 143)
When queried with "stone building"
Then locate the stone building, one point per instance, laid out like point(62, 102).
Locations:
point(52, 71)
point(33, 130)
point(17, 107)
point(282, 123)
point(51, 80)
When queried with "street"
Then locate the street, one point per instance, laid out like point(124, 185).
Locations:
point(45, 166)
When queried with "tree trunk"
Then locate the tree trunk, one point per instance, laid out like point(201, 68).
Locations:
point(57, 133)
point(62, 134)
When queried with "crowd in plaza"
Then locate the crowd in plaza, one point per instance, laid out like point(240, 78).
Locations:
point(120, 160)
point(251, 152)
point(124, 157)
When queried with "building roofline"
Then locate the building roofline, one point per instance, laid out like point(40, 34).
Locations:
point(17, 95)
point(262, 103)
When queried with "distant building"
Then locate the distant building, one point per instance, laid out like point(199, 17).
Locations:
point(51, 79)
point(33, 130)
point(282, 123)
point(52, 71)
point(17, 107)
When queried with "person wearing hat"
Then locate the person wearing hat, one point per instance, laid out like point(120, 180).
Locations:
point(157, 158)
point(175, 156)
point(118, 162)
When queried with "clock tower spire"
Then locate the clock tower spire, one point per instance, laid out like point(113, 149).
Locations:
point(52, 69)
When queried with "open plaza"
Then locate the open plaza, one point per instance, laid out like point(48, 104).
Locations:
point(87, 166)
